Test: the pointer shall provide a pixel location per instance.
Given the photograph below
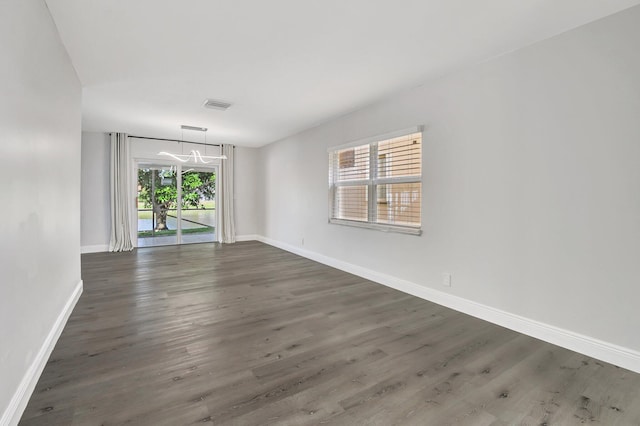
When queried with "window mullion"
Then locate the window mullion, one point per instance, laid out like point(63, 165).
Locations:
point(373, 174)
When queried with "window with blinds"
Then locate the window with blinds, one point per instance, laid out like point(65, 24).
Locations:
point(378, 184)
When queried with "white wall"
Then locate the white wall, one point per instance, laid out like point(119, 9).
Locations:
point(531, 183)
point(40, 101)
point(95, 199)
point(246, 191)
point(95, 184)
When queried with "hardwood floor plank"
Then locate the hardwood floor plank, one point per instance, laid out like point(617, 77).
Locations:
point(247, 334)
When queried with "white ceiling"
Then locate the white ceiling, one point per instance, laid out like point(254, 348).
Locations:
point(147, 65)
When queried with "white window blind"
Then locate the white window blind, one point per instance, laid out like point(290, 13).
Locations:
point(378, 184)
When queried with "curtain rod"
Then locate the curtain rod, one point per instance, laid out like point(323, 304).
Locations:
point(175, 140)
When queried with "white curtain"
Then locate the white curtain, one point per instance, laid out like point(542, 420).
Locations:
point(227, 232)
point(121, 205)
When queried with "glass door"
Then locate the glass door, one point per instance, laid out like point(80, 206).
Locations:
point(157, 205)
point(198, 207)
point(176, 204)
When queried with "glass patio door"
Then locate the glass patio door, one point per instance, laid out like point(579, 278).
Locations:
point(176, 205)
point(198, 206)
point(157, 205)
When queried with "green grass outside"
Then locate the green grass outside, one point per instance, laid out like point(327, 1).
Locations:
point(145, 215)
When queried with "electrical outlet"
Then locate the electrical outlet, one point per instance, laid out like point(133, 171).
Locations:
point(446, 279)
point(302, 240)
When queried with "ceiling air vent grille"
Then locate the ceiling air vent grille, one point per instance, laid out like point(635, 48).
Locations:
point(213, 104)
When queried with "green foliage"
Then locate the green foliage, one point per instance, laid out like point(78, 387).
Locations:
point(196, 187)
point(166, 195)
point(144, 187)
point(208, 188)
point(190, 184)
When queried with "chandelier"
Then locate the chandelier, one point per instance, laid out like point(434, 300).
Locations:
point(194, 156)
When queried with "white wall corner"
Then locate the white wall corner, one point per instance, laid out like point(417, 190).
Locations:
point(248, 237)
point(592, 347)
point(100, 248)
point(21, 397)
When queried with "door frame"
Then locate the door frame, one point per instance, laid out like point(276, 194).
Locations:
point(136, 162)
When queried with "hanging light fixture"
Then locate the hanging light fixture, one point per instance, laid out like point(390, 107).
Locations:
point(194, 156)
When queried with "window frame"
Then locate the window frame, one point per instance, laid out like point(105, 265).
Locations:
point(372, 183)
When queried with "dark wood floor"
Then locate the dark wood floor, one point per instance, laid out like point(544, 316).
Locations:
point(247, 334)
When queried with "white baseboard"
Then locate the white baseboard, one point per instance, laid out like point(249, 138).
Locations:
point(605, 351)
point(248, 237)
point(105, 247)
point(94, 249)
point(12, 414)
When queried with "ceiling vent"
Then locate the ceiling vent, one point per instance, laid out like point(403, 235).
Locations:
point(213, 104)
